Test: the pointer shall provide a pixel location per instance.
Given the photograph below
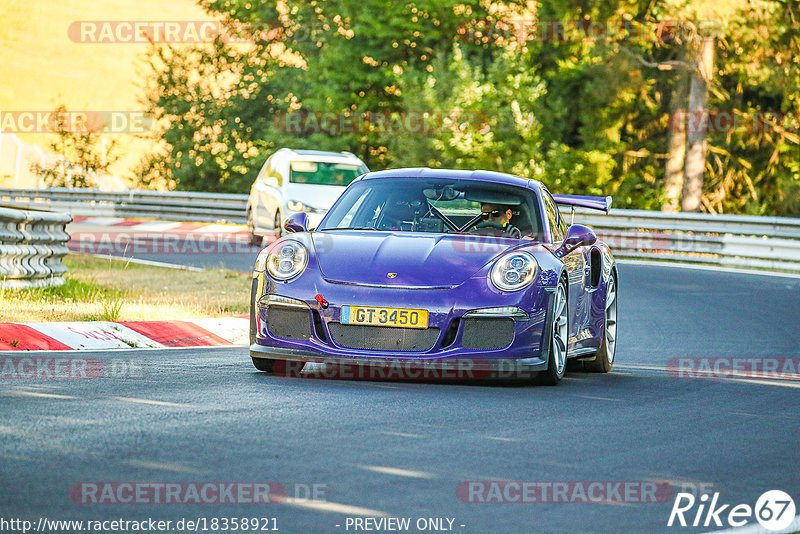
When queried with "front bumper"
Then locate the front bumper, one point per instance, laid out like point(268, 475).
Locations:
point(317, 343)
point(362, 366)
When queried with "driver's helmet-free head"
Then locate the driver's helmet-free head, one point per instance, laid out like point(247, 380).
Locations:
point(495, 221)
point(493, 212)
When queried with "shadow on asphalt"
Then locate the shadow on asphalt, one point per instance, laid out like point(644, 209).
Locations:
point(569, 380)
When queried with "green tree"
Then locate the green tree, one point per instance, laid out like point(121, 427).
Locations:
point(586, 113)
point(81, 152)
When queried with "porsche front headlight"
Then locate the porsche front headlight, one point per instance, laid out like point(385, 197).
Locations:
point(287, 260)
point(514, 271)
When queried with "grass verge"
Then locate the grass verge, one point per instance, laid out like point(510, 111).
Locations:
point(113, 290)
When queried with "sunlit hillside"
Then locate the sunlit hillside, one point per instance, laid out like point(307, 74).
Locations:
point(42, 66)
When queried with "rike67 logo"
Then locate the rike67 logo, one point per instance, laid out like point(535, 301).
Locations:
point(774, 510)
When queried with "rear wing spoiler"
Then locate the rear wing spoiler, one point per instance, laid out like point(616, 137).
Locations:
point(578, 201)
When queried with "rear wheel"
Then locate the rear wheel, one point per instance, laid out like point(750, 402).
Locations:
point(557, 360)
point(263, 364)
point(605, 354)
point(255, 240)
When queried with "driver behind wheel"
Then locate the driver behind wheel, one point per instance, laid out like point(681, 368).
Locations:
point(495, 221)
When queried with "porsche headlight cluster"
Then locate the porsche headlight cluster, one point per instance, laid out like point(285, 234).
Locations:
point(287, 260)
point(514, 271)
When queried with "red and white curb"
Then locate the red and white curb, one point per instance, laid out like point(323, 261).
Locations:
point(146, 226)
point(103, 335)
point(126, 239)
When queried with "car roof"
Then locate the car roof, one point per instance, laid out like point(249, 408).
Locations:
point(310, 155)
point(477, 175)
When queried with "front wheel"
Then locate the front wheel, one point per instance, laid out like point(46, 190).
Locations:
point(557, 360)
point(604, 360)
point(255, 240)
point(264, 365)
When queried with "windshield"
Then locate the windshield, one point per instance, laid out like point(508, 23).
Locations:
point(437, 206)
point(322, 173)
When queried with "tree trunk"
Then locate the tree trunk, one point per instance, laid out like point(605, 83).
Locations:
point(673, 179)
point(697, 128)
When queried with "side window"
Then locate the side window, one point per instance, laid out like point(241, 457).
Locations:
point(556, 225)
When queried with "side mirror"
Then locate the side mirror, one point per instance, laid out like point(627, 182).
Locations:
point(298, 222)
point(577, 236)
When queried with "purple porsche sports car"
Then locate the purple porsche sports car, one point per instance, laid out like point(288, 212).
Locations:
point(436, 267)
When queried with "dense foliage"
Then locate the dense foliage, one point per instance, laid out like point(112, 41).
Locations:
point(590, 96)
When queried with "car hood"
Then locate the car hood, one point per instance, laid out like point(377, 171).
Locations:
point(416, 260)
point(316, 196)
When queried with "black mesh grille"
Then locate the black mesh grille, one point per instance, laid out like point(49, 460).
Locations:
point(383, 337)
point(487, 333)
point(289, 323)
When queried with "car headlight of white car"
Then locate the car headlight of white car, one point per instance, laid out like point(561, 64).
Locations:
point(514, 271)
point(295, 205)
point(287, 260)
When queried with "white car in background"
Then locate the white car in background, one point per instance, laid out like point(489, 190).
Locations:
point(298, 180)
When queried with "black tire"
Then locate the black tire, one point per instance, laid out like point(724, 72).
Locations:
point(558, 335)
point(278, 226)
point(264, 365)
point(255, 240)
point(604, 360)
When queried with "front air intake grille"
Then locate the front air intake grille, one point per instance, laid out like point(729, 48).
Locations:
point(383, 338)
point(289, 323)
point(482, 333)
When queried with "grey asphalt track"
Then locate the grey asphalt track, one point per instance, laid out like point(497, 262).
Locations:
point(402, 449)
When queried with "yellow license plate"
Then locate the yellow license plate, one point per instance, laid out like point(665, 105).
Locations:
point(370, 315)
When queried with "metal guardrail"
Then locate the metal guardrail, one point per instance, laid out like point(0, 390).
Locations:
point(730, 240)
point(173, 205)
point(734, 240)
point(32, 244)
